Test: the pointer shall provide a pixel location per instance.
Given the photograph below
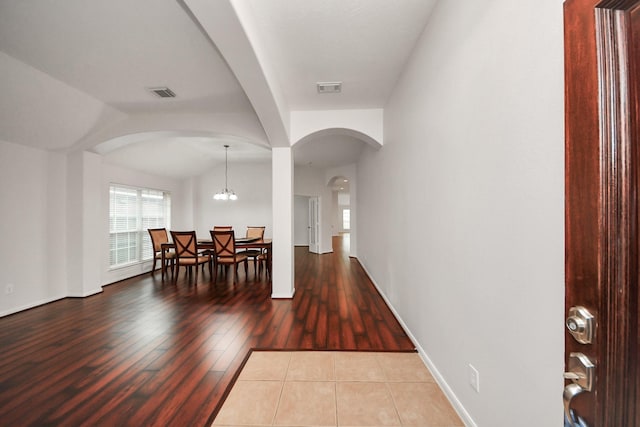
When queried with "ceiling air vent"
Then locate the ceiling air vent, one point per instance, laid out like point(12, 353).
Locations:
point(162, 92)
point(329, 87)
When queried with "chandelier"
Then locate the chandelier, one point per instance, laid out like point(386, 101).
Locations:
point(225, 194)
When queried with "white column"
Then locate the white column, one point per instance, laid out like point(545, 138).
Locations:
point(282, 193)
point(84, 238)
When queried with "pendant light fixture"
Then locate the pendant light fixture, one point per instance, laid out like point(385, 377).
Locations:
point(225, 194)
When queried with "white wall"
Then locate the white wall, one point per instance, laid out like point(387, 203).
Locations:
point(460, 214)
point(251, 182)
point(32, 226)
point(180, 212)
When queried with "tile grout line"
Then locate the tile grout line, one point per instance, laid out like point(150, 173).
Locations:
point(395, 405)
point(282, 384)
point(335, 387)
point(386, 384)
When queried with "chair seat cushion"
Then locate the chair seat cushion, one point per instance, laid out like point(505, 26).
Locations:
point(193, 261)
point(230, 260)
point(251, 253)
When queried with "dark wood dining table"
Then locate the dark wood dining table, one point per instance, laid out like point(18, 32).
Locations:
point(241, 243)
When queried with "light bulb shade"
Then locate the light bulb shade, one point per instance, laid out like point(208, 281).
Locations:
point(225, 194)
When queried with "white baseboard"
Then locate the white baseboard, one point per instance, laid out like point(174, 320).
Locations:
point(453, 399)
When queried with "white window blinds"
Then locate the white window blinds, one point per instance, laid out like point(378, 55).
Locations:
point(131, 212)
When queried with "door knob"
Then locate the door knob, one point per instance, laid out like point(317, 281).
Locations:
point(581, 373)
point(571, 391)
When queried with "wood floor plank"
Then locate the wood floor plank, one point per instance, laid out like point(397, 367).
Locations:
point(149, 351)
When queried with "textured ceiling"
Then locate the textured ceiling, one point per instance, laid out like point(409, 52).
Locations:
point(362, 43)
point(113, 50)
point(73, 68)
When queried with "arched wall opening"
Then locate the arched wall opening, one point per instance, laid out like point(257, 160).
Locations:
point(328, 133)
point(324, 159)
point(190, 165)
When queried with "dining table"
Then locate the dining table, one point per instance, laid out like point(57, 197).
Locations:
point(241, 243)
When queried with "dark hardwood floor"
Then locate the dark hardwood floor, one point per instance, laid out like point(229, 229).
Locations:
point(151, 352)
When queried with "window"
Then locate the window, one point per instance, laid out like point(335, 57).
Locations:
point(131, 212)
point(346, 219)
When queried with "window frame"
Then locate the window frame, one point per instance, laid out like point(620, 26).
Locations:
point(346, 210)
point(140, 243)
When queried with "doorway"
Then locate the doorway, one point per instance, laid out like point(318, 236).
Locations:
point(342, 210)
point(306, 222)
point(314, 225)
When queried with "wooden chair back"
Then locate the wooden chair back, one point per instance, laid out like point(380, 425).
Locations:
point(186, 244)
point(222, 227)
point(255, 232)
point(224, 243)
point(158, 237)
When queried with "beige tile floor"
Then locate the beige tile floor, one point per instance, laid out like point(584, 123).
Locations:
point(322, 388)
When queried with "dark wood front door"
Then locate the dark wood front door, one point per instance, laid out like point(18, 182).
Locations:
point(602, 110)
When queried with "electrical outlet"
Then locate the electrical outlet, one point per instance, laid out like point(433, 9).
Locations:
point(8, 289)
point(474, 378)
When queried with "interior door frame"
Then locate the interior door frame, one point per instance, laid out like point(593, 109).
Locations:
point(601, 199)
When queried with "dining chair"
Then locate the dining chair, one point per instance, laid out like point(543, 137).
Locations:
point(263, 259)
point(158, 237)
point(254, 232)
point(212, 253)
point(187, 252)
point(224, 243)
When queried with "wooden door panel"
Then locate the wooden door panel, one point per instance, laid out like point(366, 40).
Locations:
point(601, 211)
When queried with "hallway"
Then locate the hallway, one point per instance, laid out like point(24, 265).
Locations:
point(147, 351)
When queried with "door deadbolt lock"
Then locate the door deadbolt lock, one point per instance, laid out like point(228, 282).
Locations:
point(580, 324)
